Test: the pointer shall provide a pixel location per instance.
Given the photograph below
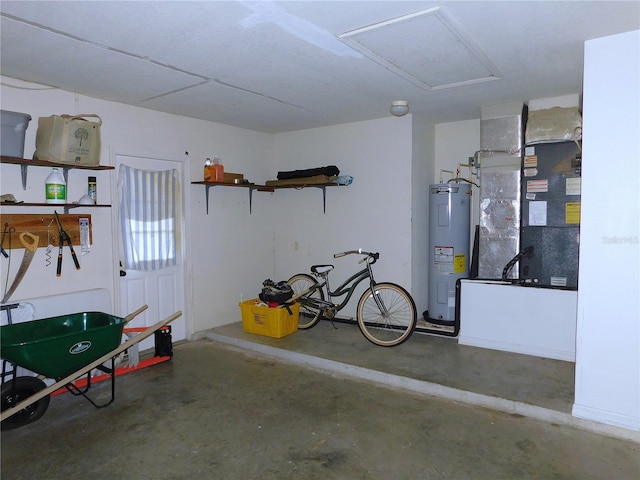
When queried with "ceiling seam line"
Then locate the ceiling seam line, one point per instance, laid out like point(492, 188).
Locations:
point(103, 46)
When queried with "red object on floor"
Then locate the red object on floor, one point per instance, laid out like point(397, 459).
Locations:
point(82, 381)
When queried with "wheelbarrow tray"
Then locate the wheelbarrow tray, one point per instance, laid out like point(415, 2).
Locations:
point(56, 346)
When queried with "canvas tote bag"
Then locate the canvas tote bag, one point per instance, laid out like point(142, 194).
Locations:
point(70, 139)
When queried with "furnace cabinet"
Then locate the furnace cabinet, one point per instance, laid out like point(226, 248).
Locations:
point(551, 214)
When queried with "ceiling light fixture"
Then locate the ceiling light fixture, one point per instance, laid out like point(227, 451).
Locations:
point(399, 108)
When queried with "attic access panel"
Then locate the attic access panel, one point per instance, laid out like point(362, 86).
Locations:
point(427, 48)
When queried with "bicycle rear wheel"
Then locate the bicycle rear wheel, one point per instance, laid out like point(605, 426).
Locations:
point(309, 314)
point(394, 323)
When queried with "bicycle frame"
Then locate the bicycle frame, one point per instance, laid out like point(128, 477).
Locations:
point(347, 288)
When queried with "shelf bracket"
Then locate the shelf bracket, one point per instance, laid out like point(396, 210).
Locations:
point(23, 172)
point(206, 195)
point(324, 196)
point(324, 199)
point(251, 189)
point(68, 207)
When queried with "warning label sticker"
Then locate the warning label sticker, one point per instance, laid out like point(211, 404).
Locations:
point(573, 186)
point(538, 213)
point(447, 261)
point(443, 259)
point(530, 161)
point(537, 186)
point(572, 213)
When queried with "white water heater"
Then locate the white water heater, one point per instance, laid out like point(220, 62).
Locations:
point(449, 218)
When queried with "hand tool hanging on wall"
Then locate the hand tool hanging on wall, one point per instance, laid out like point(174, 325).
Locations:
point(64, 237)
point(50, 239)
point(4, 233)
point(30, 250)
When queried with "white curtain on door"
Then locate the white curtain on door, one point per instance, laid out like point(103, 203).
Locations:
point(149, 217)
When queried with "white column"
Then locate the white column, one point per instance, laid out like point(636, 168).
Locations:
point(608, 323)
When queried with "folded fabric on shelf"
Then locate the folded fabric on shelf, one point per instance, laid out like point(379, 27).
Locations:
point(303, 181)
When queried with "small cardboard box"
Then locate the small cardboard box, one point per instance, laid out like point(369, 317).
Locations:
point(270, 322)
point(231, 177)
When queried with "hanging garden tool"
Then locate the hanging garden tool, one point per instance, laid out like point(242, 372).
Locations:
point(30, 250)
point(4, 233)
point(64, 237)
point(47, 253)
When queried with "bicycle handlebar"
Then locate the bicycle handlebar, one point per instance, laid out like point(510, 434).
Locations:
point(374, 256)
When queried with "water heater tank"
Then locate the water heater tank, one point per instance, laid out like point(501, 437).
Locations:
point(449, 217)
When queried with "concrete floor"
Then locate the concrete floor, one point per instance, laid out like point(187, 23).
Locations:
point(323, 404)
point(434, 361)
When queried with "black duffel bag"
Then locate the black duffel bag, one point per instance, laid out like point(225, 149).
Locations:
point(330, 171)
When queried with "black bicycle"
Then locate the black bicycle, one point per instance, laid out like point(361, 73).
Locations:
point(386, 313)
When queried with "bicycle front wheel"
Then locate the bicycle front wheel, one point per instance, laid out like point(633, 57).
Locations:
point(387, 314)
point(309, 313)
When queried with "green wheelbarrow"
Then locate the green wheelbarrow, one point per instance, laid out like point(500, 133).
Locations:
point(61, 348)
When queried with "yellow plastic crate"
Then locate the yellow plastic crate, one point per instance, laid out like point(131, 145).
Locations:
point(270, 322)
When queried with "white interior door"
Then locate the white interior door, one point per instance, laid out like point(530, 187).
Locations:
point(162, 290)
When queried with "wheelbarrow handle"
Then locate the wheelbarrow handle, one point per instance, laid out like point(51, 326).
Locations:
point(133, 315)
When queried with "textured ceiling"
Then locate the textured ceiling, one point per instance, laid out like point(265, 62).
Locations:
point(284, 66)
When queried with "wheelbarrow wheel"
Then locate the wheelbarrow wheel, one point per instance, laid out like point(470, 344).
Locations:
point(13, 394)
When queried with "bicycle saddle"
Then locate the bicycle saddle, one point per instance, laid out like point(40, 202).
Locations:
point(321, 269)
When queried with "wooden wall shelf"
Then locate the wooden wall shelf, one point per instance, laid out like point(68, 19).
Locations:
point(44, 163)
point(266, 188)
point(65, 207)
point(26, 163)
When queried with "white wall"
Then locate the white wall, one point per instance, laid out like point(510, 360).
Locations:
point(374, 213)
point(608, 328)
point(219, 245)
point(230, 252)
point(393, 161)
point(40, 280)
point(531, 321)
point(424, 140)
point(455, 143)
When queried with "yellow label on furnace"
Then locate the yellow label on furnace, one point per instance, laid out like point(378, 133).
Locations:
point(459, 263)
point(572, 213)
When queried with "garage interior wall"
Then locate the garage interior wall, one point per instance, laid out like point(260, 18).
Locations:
point(373, 213)
point(229, 252)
